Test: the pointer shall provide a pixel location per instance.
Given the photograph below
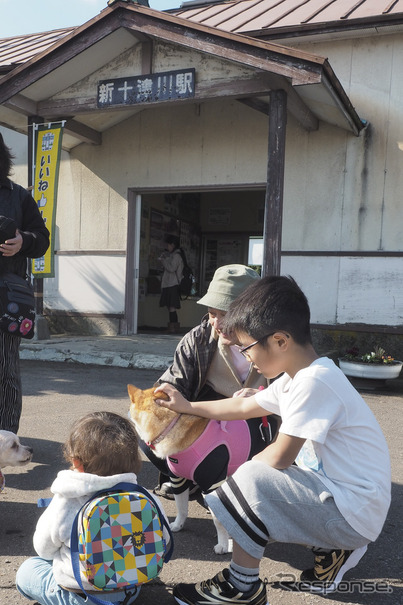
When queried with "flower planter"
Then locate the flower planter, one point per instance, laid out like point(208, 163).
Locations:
point(377, 371)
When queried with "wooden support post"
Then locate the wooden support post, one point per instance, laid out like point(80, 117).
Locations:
point(273, 215)
point(41, 325)
point(38, 283)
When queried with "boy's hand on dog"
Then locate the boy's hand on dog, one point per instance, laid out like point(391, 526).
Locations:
point(174, 401)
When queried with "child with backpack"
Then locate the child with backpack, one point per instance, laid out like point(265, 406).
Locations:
point(103, 451)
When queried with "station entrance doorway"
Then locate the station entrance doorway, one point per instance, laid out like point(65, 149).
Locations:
point(216, 227)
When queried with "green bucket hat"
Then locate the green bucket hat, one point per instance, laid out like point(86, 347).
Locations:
point(227, 284)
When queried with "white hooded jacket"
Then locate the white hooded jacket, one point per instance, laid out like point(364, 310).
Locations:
point(71, 490)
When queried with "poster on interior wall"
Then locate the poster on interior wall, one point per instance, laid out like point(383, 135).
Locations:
point(222, 250)
point(219, 216)
point(48, 140)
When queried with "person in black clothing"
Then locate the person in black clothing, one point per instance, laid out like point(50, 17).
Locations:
point(31, 240)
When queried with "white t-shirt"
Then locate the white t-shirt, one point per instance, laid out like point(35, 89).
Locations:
point(344, 444)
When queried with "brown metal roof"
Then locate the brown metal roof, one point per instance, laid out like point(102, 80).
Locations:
point(19, 49)
point(245, 16)
point(253, 17)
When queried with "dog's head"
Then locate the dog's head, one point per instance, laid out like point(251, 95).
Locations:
point(143, 404)
point(166, 431)
point(12, 452)
point(148, 417)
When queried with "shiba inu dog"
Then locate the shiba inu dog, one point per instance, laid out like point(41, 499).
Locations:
point(196, 450)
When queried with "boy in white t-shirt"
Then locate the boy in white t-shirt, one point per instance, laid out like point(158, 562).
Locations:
point(336, 497)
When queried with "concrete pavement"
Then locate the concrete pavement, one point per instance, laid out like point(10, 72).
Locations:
point(151, 351)
point(146, 351)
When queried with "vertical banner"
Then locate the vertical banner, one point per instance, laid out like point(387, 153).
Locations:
point(48, 141)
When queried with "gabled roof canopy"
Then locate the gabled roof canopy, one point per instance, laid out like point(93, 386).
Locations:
point(47, 85)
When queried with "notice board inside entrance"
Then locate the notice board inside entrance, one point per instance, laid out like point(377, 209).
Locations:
point(222, 249)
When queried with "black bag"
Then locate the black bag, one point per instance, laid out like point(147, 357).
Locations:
point(17, 306)
point(186, 282)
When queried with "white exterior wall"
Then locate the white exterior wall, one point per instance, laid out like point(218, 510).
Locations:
point(350, 289)
point(369, 69)
point(89, 284)
point(352, 197)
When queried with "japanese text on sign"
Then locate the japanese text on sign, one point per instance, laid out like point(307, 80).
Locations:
point(147, 89)
point(47, 160)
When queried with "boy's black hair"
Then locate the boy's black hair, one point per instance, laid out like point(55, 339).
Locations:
point(271, 303)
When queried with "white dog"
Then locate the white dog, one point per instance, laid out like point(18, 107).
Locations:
point(12, 453)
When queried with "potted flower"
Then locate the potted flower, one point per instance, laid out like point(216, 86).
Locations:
point(374, 365)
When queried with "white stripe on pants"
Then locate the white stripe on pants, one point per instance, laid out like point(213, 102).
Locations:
point(260, 504)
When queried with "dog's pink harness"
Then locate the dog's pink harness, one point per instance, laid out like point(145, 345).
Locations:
point(234, 434)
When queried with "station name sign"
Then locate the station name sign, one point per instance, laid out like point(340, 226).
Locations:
point(151, 88)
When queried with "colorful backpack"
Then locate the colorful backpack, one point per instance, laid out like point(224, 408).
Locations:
point(117, 540)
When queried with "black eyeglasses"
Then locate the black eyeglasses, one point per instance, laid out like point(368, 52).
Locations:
point(244, 349)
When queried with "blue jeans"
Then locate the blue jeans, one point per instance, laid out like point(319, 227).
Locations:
point(36, 582)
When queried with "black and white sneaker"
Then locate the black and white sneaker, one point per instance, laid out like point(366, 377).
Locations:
point(219, 591)
point(329, 569)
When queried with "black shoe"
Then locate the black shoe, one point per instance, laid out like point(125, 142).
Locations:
point(219, 591)
point(329, 569)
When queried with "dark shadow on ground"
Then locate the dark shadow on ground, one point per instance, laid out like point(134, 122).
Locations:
point(60, 378)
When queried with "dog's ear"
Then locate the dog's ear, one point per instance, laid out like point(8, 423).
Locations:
point(133, 391)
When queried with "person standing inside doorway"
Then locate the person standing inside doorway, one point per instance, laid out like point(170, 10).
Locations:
point(173, 263)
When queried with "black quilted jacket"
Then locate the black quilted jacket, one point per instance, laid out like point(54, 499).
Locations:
point(17, 203)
